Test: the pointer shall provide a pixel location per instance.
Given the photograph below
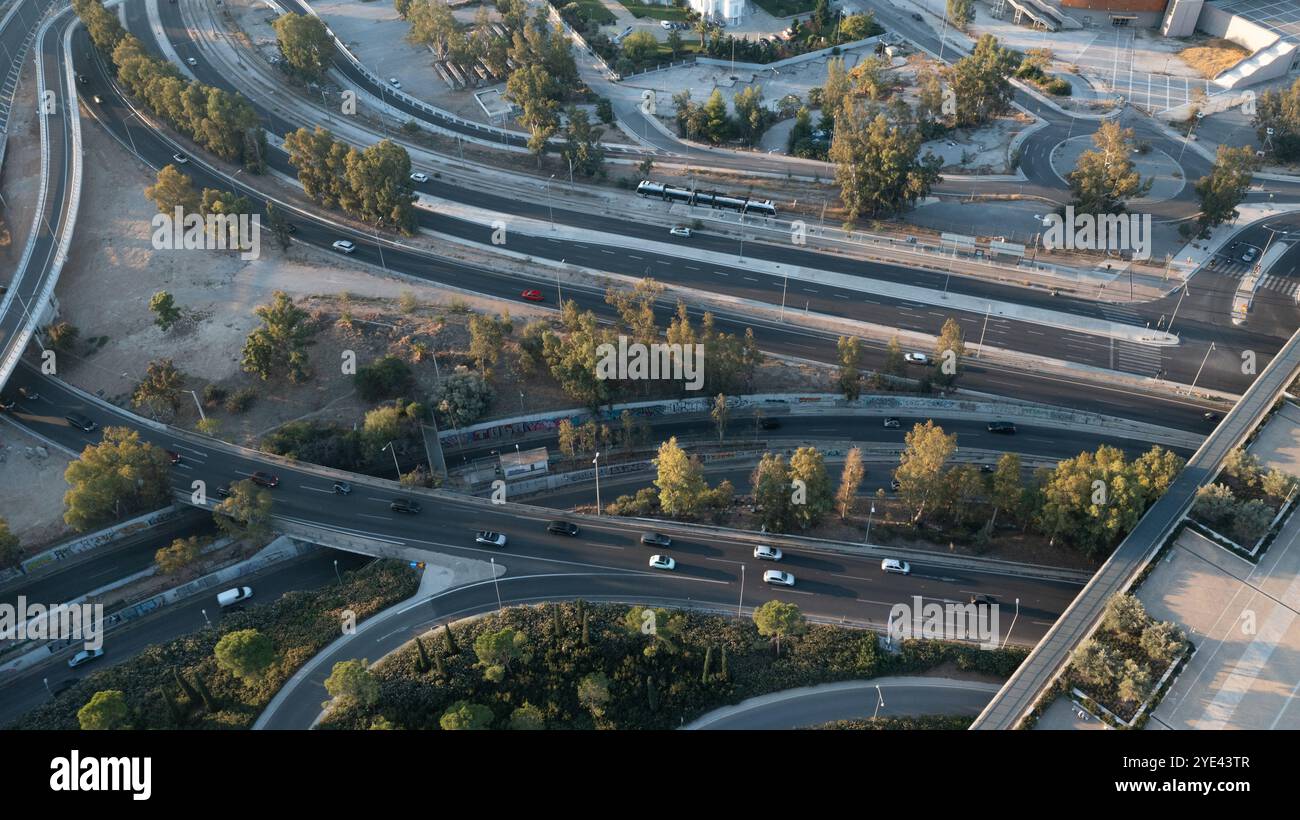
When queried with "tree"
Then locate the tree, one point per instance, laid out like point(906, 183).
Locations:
point(181, 554)
point(119, 477)
point(280, 344)
point(527, 718)
point(582, 147)
point(385, 378)
point(279, 225)
point(720, 413)
point(246, 513)
point(245, 653)
point(165, 311)
point(533, 90)
point(173, 190)
point(62, 336)
point(105, 710)
point(921, 467)
point(9, 546)
point(1221, 190)
point(1091, 500)
point(871, 77)
point(463, 398)
point(877, 165)
point(463, 715)
point(771, 487)
point(980, 82)
point(895, 363)
point(1280, 111)
point(497, 650)
point(639, 46)
point(352, 683)
point(1155, 470)
point(674, 43)
point(305, 44)
point(850, 480)
point(751, 115)
point(1162, 641)
point(948, 353)
point(571, 356)
point(850, 375)
point(808, 472)
point(961, 12)
point(1242, 465)
point(680, 480)
point(717, 124)
point(593, 693)
point(160, 388)
point(486, 338)
point(778, 620)
point(381, 187)
point(1105, 176)
point(1250, 521)
point(1008, 491)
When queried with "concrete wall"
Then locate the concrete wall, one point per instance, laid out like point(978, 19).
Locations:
point(1117, 6)
point(1219, 23)
point(1180, 18)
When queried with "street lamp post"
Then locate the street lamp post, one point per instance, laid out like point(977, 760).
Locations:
point(389, 446)
point(880, 701)
point(336, 571)
point(1170, 329)
point(741, 604)
point(496, 584)
point(985, 330)
point(870, 515)
point(1013, 624)
point(596, 461)
point(549, 207)
point(785, 283)
point(1202, 367)
point(199, 405)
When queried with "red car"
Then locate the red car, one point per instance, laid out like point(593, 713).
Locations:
point(174, 456)
point(262, 479)
point(533, 296)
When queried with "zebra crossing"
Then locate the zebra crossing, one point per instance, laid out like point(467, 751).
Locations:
point(1286, 285)
point(1132, 357)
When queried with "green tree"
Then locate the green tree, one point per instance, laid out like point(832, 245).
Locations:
point(527, 718)
point(980, 82)
point(961, 12)
point(160, 389)
point(280, 344)
point(680, 480)
point(850, 374)
point(593, 693)
point(305, 44)
point(487, 336)
point(1221, 190)
point(582, 147)
point(877, 165)
point(246, 513)
point(165, 311)
point(534, 91)
point(895, 364)
point(1008, 489)
point(1091, 500)
point(497, 650)
point(922, 467)
point(245, 653)
point(463, 715)
point(171, 190)
point(385, 378)
point(850, 480)
point(779, 620)
point(720, 413)
point(771, 487)
point(640, 46)
point(1279, 110)
point(949, 350)
point(751, 115)
point(105, 710)
point(808, 466)
point(181, 554)
point(279, 225)
point(571, 356)
point(352, 683)
point(717, 124)
point(1104, 177)
point(463, 398)
point(117, 478)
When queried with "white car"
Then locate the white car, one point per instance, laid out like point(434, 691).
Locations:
point(344, 246)
point(191, 61)
point(896, 566)
point(235, 595)
point(667, 24)
point(776, 576)
point(916, 358)
point(662, 562)
point(180, 159)
point(84, 656)
point(680, 230)
point(394, 82)
point(765, 553)
point(419, 177)
point(490, 539)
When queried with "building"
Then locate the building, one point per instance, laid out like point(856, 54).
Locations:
point(729, 12)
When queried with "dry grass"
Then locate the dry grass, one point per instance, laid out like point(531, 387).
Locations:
point(1213, 56)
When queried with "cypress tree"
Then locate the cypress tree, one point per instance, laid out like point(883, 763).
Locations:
point(556, 630)
point(422, 663)
point(178, 719)
point(438, 668)
point(451, 641)
point(185, 686)
point(582, 608)
point(708, 659)
point(209, 702)
point(586, 633)
point(722, 673)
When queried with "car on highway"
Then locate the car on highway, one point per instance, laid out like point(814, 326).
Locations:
point(662, 562)
point(342, 488)
point(223, 491)
point(562, 528)
point(262, 479)
point(1250, 254)
point(983, 600)
point(8, 404)
point(895, 566)
point(344, 245)
point(234, 595)
point(180, 159)
point(916, 358)
point(769, 424)
point(532, 296)
point(655, 539)
point(894, 485)
point(419, 177)
point(191, 61)
point(918, 18)
point(892, 423)
point(83, 423)
point(81, 78)
point(1005, 428)
point(84, 656)
point(988, 468)
point(394, 82)
point(490, 539)
point(1210, 416)
point(97, 99)
point(404, 505)
point(30, 395)
point(173, 456)
point(666, 25)
point(765, 553)
point(680, 230)
point(776, 576)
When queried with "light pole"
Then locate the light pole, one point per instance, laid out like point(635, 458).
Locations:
point(880, 701)
point(1199, 116)
point(47, 686)
point(549, 207)
point(559, 294)
point(495, 583)
point(785, 282)
point(205, 617)
point(1170, 329)
point(199, 405)
point(336, 572)
point(1202, 367)
point(985, 330)
point(1013, 624)
point(389, 446)
point(741, 604)
point(870, 515)
point(596, 461)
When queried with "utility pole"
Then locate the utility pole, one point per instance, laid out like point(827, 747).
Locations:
point(1202, 367)
point(985, 330)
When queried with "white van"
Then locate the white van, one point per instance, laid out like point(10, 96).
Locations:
point(234, 596)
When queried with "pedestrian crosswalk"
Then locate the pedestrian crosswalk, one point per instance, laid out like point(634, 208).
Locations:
point(1286, 285)
point(1132, 357)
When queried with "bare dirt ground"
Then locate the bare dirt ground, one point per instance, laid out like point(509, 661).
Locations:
point(31, 488)
point(20, 178)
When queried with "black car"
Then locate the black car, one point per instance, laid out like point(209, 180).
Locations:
point(262, 479)
point(987, 468)
point(893, 423)
point(656, 539)
point(769, 424)
point(1004, 427)
point(82, 423)
point(404, 505)
point(562, 528)
point(983, 600)
point(223, 491)
point(1211, 416)
point(7, 404)
point(64, 685)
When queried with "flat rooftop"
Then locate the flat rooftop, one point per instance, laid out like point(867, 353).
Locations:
point(1281, 16)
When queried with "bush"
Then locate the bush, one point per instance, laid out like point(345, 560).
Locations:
point(241, 400)
point(387, 378)
point(213, 395)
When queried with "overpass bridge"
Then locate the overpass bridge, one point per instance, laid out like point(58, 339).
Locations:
point(1047, 662)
